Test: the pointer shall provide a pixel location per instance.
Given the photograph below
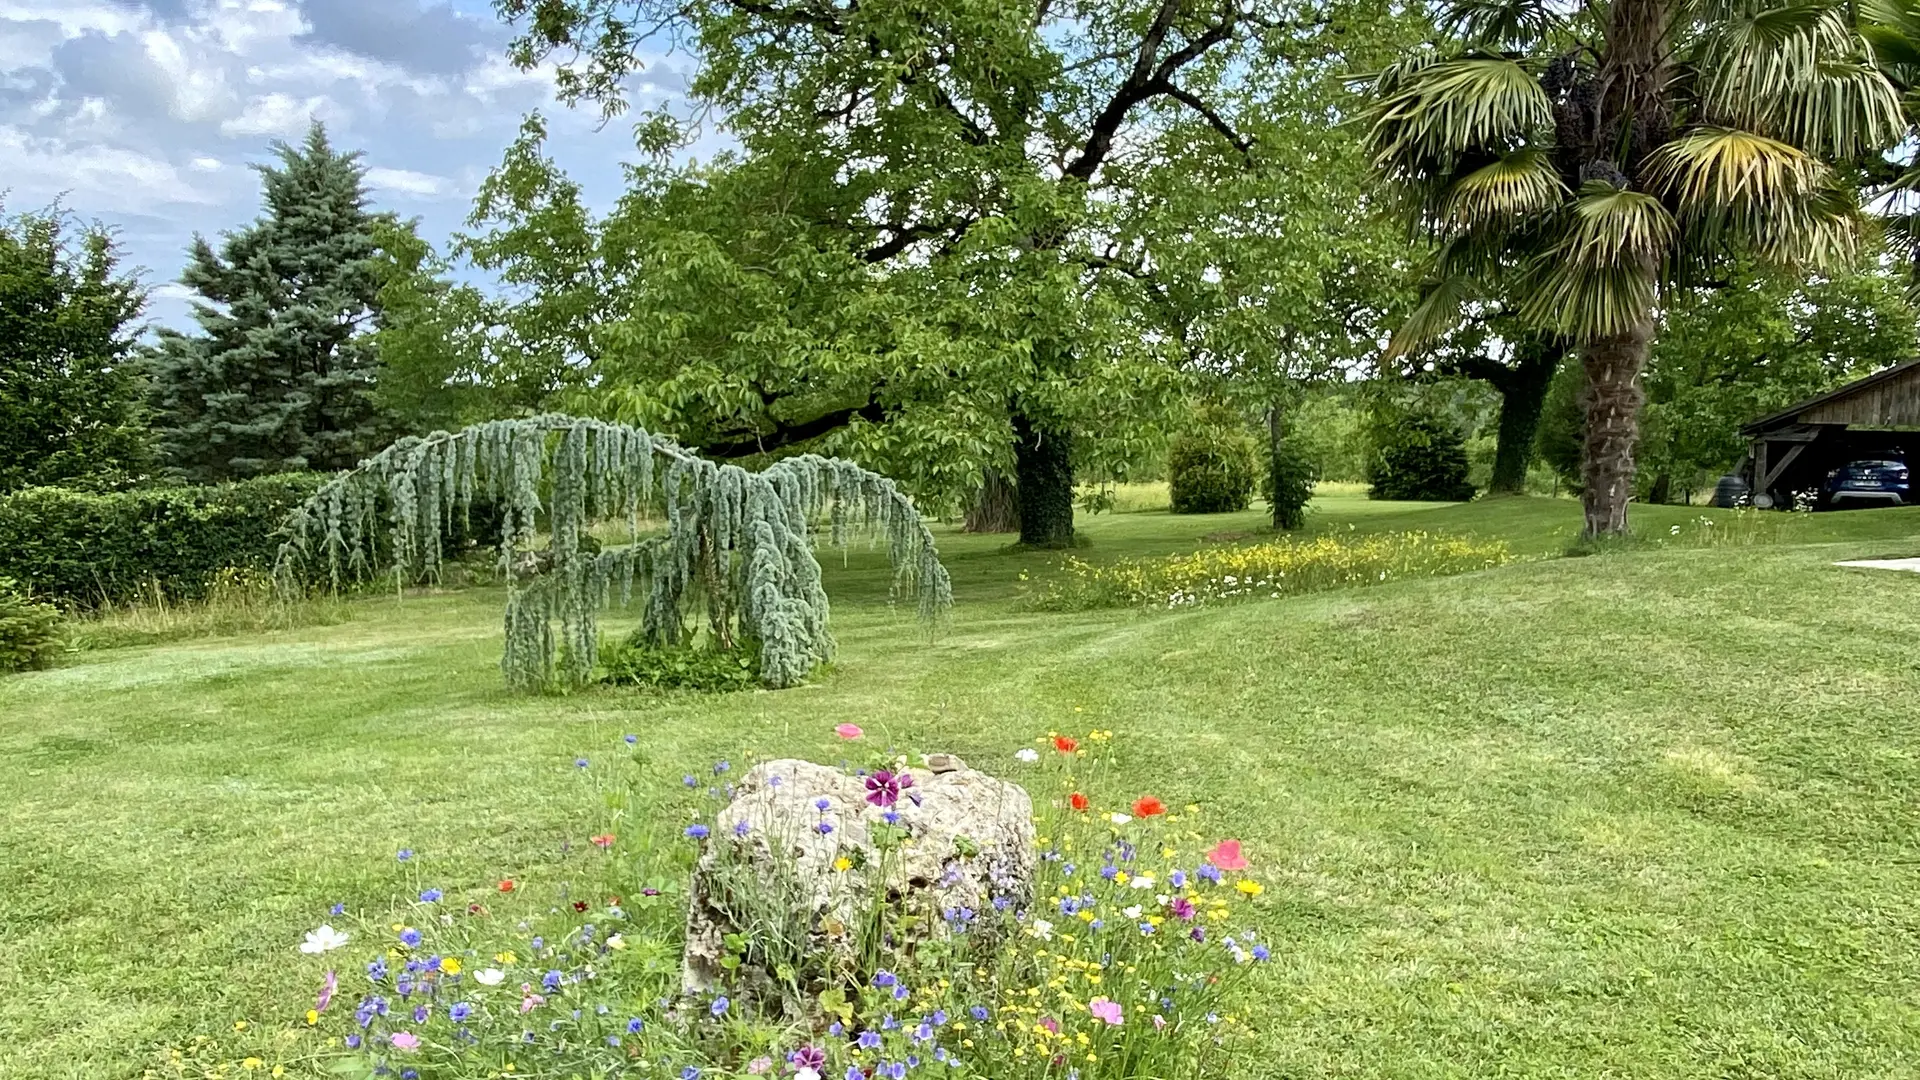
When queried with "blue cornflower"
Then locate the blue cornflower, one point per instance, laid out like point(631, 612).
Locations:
point(1069, 905)
point(1067, 870)
point(1210, 872)
point(338, 909)
point(939, 1017)
point(719, 1006)
point(900, 992)
point(613, 1040)
point(869, 1040)
point(884, 978)
point(1177, 879)
point(720, 767)
point(551, 980)
point(430, 896)
point(689, 1073)
point(740, 828)
point(1001, 903)
point(632, 739)
point(579, 763)
point(824, 828)
point(377, 971)
point(822, 803)
point(634, 1026)
point(690, 780)
point(420, 1014)
point(409, 1074)
point(1109, 871)
point(978, 1012)
point(539, 943)
point(1261, 952)
point(923, 1032)
point(891, 817)
point(1097, 924)
point(410, 938)
point(459, 1013)
point(836, 1029)
point(404, 854)
point(697, 832)
point(854, 1073)
point(1146, 929)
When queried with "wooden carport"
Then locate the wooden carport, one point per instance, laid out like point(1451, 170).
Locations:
point(1794, 448)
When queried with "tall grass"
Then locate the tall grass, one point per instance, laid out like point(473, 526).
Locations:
point(1268, 570)
point(237, 602)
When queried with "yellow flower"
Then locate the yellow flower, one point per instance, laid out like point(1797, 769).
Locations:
point(1121, 877)
point(842, 864)
point(1250, 887)
point(239, 1025)
point(504, 957)
point(252, 1063)
point(449, 966)
point(313, 1017)
point(279, 1070)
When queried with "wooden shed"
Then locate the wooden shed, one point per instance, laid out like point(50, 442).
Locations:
point(1793, 449)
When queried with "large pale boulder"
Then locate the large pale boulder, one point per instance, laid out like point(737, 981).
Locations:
point(801, 862)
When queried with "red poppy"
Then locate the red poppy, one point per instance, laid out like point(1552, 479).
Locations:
point(1065, 744)
point(506, 884)
point(1148, 806)
point(476, 909)
point(1077, 801)
point(603, 841)
point(1226, 856)
point(579, 905)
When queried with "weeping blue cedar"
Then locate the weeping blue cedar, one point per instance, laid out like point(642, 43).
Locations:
point(738, 544)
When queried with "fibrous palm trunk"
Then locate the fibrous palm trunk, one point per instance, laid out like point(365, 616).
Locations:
point(1613, 365)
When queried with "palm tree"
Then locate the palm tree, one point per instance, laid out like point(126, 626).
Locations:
point(1892, 29)
point(1578, 158)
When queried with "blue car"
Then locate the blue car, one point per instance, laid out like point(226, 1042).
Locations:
point(1873, 482)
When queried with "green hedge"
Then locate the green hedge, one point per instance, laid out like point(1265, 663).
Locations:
point(83, 550)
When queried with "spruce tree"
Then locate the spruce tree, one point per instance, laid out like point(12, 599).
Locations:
point(282, 372)
point(69, 401)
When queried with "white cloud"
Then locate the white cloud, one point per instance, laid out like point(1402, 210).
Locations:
point(279, 114)
point(92, 177)
point(205, 164)
point(408, 182)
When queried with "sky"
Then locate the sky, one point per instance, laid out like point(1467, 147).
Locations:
point(144, 114)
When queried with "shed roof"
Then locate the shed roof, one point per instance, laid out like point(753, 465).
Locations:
point(1890, 396)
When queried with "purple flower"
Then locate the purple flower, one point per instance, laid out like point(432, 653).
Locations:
point(869, 1040)
point(632, 739)
point(978, 1012)
point(690, 780)
point(900, 992)
point(377, 971)
point(579, 763)
point(885, 786)
point(689, 1073)
point(923, 1032)
point(823, 828)
point(551, 980)
point(1261, 952)
point(891, 817)
point(719, 1006)
point(854, 1073)
point(720, 767)
point(1210, 872)
point(404, 854)
point(1177, 879)
point(1198, 933)
point(939, 1017)
point(836, 1029)
point(1182, 909)
point(337, 909)
point(740, 828)
point(884, 978)
point(353, 1041)
point(327, 988)
point(697, 832)
point(410, 938)
point(420, 1014)
point(634, 1026)
point(808, 1057)
point(430, 896)
point(773, 781)
point(822, 803)
point(459, 1012)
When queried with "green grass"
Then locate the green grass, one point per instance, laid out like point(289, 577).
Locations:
point(1652, 814)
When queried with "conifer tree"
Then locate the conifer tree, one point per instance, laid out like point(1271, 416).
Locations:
point(282, 372)
point(69, 402)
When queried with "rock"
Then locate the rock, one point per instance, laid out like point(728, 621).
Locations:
point(798, 917)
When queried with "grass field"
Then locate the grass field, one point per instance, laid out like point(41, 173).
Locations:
point(1651, 814)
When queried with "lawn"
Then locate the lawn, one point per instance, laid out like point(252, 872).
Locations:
point(1651, 813)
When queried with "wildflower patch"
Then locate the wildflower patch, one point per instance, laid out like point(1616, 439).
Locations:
point(1265, 571)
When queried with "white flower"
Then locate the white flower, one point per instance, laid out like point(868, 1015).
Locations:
point(489, 976)
point(1041, 929)
point(325, 939)
point(1027, 754)
point(616, 942)
point(1131, 912)
point(1121, 819)
point(1142, 881)
point(806, 1074)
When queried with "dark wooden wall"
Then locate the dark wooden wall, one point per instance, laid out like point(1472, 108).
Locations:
point(1894, 402)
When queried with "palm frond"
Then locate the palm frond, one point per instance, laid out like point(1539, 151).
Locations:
point(1799, 73)
point(1891, 29)
point(1599, 279)
point(1425, 115)
point(1738, 190)
point(1517, 184)
point(1438, 311)
point(1503, 24)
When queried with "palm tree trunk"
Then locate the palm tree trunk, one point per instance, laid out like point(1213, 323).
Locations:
point(1613, 365)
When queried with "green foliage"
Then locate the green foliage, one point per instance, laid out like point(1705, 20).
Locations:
point(282, 374)
point(1211, 472)
point(1329, 429)
point(69, 403)
point(31, 633)
point(1289, 473)
point(639, 662)
point(1264, 571)
point(86, 549)
point(1417, 455)
point(1563, 424)
point(740, 541)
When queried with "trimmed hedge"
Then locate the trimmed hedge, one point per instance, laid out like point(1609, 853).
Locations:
point(83, 550)
point(1210, 473)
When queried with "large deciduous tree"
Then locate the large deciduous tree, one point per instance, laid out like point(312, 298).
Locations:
point(282, 373)
point(943, 217)
point(1582, 158)
point(69, 398)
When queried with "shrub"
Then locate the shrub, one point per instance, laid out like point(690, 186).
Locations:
point(81, 549)
point(1419, 456)
point(30, 633)
point(1212, 473)
point(1270, 570)
point(1290, 473)
point(636, 662)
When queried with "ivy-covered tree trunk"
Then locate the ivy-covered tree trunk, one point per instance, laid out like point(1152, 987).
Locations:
point(1043, 478)
point(996, 508)
point(1522, 396)
point(1613, 365)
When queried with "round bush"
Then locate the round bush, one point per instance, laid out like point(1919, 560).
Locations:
point(1211, 473)
point(1419, 456)
point(30, 633)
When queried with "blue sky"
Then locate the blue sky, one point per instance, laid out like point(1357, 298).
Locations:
point(144, 114)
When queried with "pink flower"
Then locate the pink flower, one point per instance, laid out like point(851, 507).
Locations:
point(848, 731)
point(603, 841)
point(1226, 856)
point(1050, 1024)
point(326, 993)
point(1159, 1022)
point(530, 1001)
point(406, 1040)
point(760, 1065)
point(1182, 908)
point(1106, 1011)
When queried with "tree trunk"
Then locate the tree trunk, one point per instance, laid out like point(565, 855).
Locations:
point(996, 508)
point(1522, 395)
point(1613, 366)
point(1662, 488)
point(1043, 477)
